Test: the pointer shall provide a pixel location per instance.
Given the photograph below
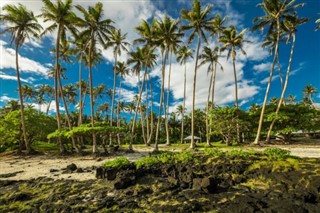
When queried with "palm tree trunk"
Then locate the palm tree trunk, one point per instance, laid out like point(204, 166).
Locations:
point(207, 109)
point(147, 116)
point(151, 115)
point(168, 103)
point(80, 91)
point(256, 141)
point(67, 115)
point(283, 89)
point(193, 145)
point(236, 95)
point(56, 77)
point(164, 57)
point(94, 140)
point(136, 112)
point(23, 124)
point(118, 112)
point(114, 88)
point(184, 101)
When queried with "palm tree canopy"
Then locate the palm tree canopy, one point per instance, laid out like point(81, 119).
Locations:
point(210, 56)
point(198, 20)
point(290, 24)
point(184, 53)
point(20, 23)
point(117, 41)
point(231, 40)
point(309, 90)
point(122, 69)
point(217, 24)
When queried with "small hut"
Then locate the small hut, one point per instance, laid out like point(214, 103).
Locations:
point(196, 138)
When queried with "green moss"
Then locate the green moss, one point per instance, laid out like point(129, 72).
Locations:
point(117, 163)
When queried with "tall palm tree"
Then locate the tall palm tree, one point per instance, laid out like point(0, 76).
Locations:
point(60, 13)
point(210, 56)
point(291, 99)
point(28, 92)
point(232, 41)
point(118, 42)
point(184, 53)
point(198, 21)
point(274, 11)
point(290, 24)
point(147, 62)
point(96, 29)
point(122, 71)
point(308, 91)
point(21, 24)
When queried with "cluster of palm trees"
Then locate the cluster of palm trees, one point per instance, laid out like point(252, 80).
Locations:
point(84, 37)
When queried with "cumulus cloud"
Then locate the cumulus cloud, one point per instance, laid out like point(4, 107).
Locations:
point(262, 67)
point(13, 78)
point(5, 98)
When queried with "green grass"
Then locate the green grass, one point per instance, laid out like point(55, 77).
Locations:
point(45, 146)
point(117, 163)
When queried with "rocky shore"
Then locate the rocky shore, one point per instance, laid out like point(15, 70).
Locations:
point(205, 184)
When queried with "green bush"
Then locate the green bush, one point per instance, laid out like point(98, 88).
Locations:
point(276, 153)
point(213, 152)
point(184, 157)
point(117, 163)
point(240, 153)
point(147, 161)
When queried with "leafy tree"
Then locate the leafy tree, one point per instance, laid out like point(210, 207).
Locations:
point(38, 126)
point(21, 24)
point(198, 20)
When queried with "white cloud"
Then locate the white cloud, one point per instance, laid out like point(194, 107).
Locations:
point(14, 78)
point(43, 107)
point(262, 67)
point(5, 98)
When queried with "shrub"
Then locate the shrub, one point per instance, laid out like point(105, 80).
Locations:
point(147, 161)
point(117, 163)
point(213, 152)
point(240, 153)
point(276, 153)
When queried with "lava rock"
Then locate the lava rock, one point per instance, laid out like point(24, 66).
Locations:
point(72, 167)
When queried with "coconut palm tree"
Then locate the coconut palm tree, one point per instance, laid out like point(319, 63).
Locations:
point(118, 42)
point(274, 11)
point(97, 30)
point(21, 24)
point(210, 56)
point(232, 41)
point(121, 70)
point(291, 99)
point(198, 20)
point(62, 18)
point(184, 53)
point(290, 24)
point(147, 62)
point(308, 91)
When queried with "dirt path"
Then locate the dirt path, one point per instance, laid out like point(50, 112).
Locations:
point(13, 167)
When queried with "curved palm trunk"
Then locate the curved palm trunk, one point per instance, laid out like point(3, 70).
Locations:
point(114, 88)
point(147, 116)
point(168, 103)
point(284, 88)
point(193, 145)
point(207, 108)
point(94, 139)
point(256, 141)
point(67, 115)
point(56, 77)
point(236, 94)
point(23, 124)
point(80, 91)
point(151, 115)
point(184, 101)
point(118, 112)
point(133, 128)
point(48, 107)
point(164, 58)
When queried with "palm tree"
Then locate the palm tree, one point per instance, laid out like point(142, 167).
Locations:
point(147, 62)
point(198, 21)
point(63, 19)
point(13, 105)
point(308, 91)
point(21, 24)
point(274, 11)
point(117, 41)
point(96, 30)
point(291, 99)
point(231, 41)
point(184, 53)
point(28, 92)
point(290, 24)
point(210, 56)
point(122, 71)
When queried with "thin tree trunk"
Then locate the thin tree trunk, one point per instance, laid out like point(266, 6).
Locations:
point(67, 115)
point(118, 112)
point(168, 103)
point(80, 91)
point(207, 108)
point(147, 116)
point(184, 101)
point(56, 77)
point(164, 57)
point(284, 88)
point(236, 95)
point(136, 112)
point(193, 145)
point(114, 88)
point(23, 124)
point(151, 115)
point(256, 141)
point(94, 139)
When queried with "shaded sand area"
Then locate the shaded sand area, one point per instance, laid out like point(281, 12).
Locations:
point(14, 167)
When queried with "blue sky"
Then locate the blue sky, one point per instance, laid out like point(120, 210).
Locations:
point(252, 70)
